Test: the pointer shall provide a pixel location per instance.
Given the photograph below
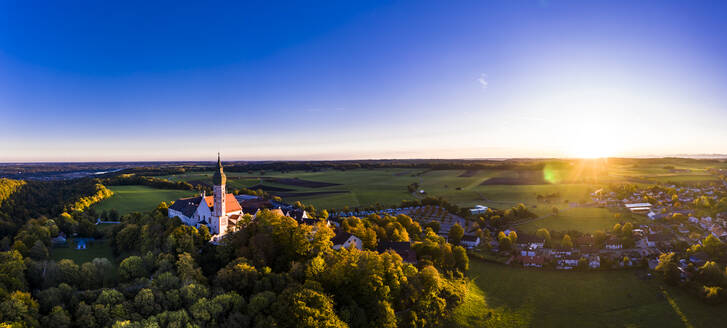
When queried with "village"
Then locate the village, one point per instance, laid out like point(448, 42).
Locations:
point(672, 219)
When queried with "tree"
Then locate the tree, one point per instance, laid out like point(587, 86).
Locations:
point(617, 228)
point(461, 259)
point(12, 267)
point(545, 235)
point(627, 229)
point(668, 267)
point(434, 225)
point(131, 268)
point(70, 272)
point(188, 270)
point(144, 302)
point(712, 245)
point(304, 307)
point(710, 274)
point(58, 318)
point(455, 234)
point(38, 251)
point(505, 243)
point(513, 236)
point(567, 242)
point(19, 309)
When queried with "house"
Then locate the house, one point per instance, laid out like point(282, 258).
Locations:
point(613, 243)
point(584, 241)
point(478, 209)
point(651, 215)
point(639, 208)
point(718, 231)
point(60, 239)
point(660, 238)
point(569, 261)
point(346, 240)
point(682, 229)
point(403, 248)
point(535, 261)
point(298, 215)
point(698, 258)
point(470, 241)
point(530, 241)
point(594, 262)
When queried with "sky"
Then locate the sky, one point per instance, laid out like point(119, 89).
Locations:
point(314, 80)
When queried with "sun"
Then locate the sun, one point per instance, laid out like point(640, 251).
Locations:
point(589, 147)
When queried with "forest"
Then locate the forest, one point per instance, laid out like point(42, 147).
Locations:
point(270, 272)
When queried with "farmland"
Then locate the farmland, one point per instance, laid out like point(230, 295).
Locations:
point(499, 188)
point(502, 296)
point(127, 199)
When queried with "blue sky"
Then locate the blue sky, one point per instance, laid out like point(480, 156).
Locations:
point(154, 80)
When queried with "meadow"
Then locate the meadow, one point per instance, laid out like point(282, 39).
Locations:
point(365, 187)
point(127, 199)
point(572, 180)
point(94, 249)
point(584, 219)
point(503, 296)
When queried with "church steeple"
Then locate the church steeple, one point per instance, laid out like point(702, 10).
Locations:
point(219, 212)
point(219, 178)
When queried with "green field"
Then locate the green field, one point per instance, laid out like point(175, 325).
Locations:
point(127, 199)
point(96, 248)
point(574, 181)
point(364, 187)
point(502, 296)
point(584, 219)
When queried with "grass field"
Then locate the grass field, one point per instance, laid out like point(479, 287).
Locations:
point(96, 248)
point(502, 296)
point(363, 187)
point(127, 199)
point(584, 219)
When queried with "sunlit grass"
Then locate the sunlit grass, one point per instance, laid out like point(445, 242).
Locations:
point(519, 297)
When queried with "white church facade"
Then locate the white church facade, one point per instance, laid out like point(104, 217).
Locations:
point(217, 212)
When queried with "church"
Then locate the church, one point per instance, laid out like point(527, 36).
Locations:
point(217, 212)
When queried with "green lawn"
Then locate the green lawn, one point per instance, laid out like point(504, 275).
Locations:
point(584, 219)
point(503, 296)
point(94, 249)
point(127, 199)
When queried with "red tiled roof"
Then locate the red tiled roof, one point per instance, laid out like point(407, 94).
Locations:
point(232, 204)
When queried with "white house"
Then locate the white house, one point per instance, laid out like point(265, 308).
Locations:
point(470, 241)
point(346, 240)
point(478, 209)
point(613, 243)
point(594, 262)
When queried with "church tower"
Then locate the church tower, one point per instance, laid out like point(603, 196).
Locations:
point(220, 196)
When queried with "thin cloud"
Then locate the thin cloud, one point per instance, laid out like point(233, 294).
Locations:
point(482, 80)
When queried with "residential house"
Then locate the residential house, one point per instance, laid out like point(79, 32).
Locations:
point(478, 209)
point(346, 240)
point(470, 241)
point(613, 243)
point(594, 262)
point(530, 241)
point(403, 248)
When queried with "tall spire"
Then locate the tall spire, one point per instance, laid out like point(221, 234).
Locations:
point(219, 178)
